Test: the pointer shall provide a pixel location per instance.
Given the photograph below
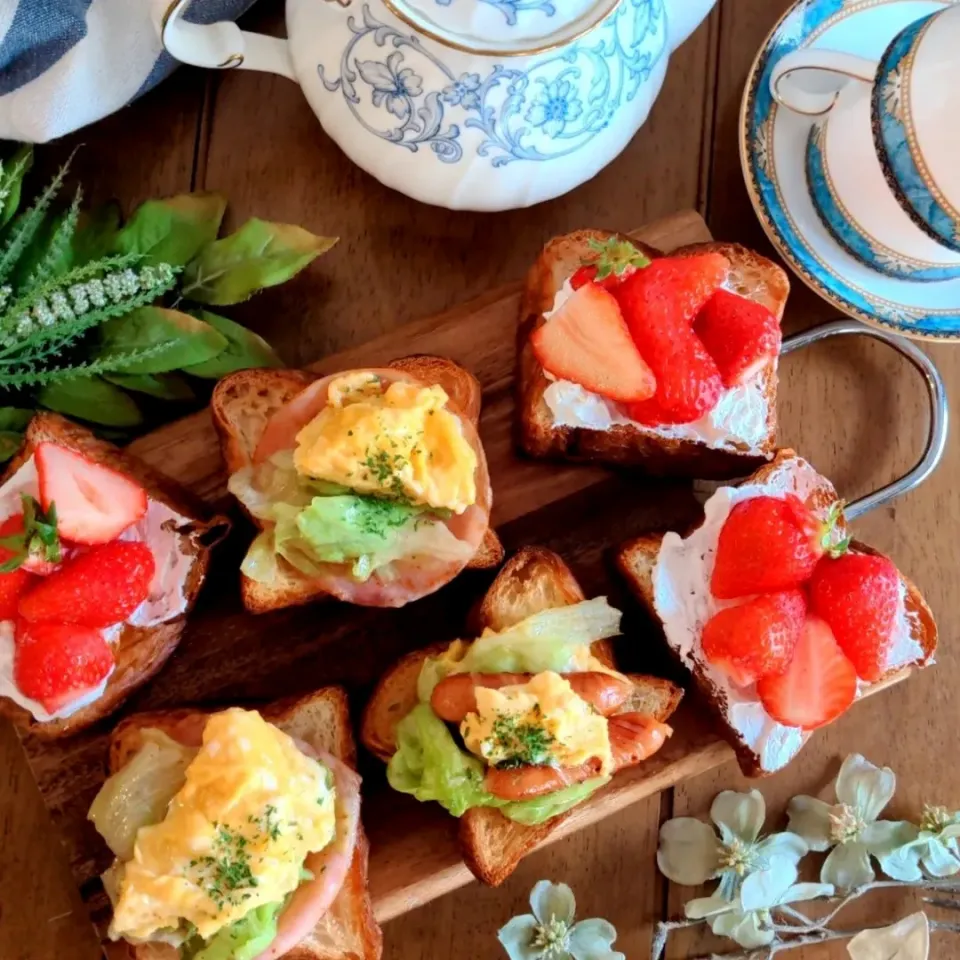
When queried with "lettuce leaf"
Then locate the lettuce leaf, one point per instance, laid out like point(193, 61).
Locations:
point(243, 939)
point(429, 765)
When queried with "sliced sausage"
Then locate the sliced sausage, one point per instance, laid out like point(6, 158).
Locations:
point(454, 697)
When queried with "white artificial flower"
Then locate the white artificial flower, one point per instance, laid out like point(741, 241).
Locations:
point(934, 850)
point(907, 939)
point(747, 918)
point(550, 933)
point(691, 853)
point(850, 826)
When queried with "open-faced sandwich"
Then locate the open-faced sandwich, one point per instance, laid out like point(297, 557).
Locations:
point(100, 560)
point(783, 620)
point(237, 835)
point(368, 485)
point(514, 729)
point(666, 363)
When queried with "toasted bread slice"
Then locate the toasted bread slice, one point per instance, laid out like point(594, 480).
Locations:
point(243, 402)
point(140, 651)
point(751, 275)
point(348, 931)
point(638, 558)
point(534, 579)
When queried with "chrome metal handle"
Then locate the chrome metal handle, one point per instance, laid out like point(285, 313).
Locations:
point(939, 411)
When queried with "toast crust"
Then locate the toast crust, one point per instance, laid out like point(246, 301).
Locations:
point(243, 402)
point(751, 275)
point(349, 931)
point(534, 579)
point(637, 558)
point(140, 652)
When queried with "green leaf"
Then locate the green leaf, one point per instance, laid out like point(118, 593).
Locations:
point(96, 233)
point(244, 349)
point(163, 386)
point(15, 168)
point(93, 399)
point(15, 419)
point(184, 340)
point(175, 230)
point(10, 443)
point(260, 254)
point(50, 254)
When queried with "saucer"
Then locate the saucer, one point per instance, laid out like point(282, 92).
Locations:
point(773, 148)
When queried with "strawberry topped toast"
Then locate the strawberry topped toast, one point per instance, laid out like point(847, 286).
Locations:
point(783, 620)
point(100, 559)
point(667, 363)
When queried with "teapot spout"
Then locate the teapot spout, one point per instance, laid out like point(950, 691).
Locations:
point(683, 17)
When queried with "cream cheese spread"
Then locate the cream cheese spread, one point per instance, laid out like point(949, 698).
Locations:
point(684, 603)
point(738, 421)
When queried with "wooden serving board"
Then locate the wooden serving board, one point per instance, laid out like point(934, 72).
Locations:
point(229, 656)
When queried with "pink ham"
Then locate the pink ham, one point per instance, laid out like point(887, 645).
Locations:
point(404, 580)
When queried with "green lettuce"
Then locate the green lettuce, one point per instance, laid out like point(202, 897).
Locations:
point(243, 939)
point(429, 765)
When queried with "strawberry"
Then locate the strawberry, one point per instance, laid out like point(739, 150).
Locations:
point(769, 543)
point(757, 638)
point(658, 304)
point(30, 539)
point(858, 596)
point(57, 662)
point(94, 589)
point(94, 503)
point(817, 687)
point(12, 586)
point(586, 341)
point(741, 335)
point(611, 262)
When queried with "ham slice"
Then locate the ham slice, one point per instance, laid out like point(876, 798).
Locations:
point(404, 580)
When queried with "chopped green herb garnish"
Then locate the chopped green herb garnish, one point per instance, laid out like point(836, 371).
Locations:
point(522, 743)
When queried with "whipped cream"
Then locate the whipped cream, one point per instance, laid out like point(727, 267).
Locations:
point(737, 422)
point(684, 603)
point(167, 599)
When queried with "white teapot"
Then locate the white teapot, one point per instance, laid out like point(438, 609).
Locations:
point(467, 104)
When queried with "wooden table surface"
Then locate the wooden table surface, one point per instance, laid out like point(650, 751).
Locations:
point(853, 408)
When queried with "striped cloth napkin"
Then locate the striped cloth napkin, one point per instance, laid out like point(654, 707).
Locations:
point(66, 63)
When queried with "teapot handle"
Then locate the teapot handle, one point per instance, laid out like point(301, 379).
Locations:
point(839, 68)
point(219, 46)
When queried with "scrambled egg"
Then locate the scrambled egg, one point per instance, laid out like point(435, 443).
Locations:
point(235, 836)
point(396, 442)
point(539, 722)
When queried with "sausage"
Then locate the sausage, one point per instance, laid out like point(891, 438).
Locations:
point(633, 737)
point(454, 697)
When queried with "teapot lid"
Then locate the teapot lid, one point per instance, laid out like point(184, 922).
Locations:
point(503, 27)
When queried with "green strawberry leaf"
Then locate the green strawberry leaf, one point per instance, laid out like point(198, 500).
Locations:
point(96, 233)
point(93, 399)
point(15, 168)
point(173, 231)
point(185, 340)
point(613, 256)
point(245, 349)
point(38, 539)
point(260, 254)
point(163, 386)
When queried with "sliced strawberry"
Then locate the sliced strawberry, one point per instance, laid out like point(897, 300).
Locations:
point(57, 662)
point(30, 540)
point(95, 589)
point(658, 304)
point(12, 586)
point(610, 262)
point(817, 687)
point(586, 341)
point(94, 504)
point(858, 596)
point(741, 335)
point(770, 543)
point(757, 638)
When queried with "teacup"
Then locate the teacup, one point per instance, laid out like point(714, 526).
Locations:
point(882, 162)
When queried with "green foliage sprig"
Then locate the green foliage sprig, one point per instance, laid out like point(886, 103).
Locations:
point(100, 319)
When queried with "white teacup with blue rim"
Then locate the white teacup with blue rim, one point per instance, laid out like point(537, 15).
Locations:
point(883, 163)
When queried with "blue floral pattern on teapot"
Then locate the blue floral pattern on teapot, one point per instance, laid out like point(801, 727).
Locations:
point(549, 108)
point(510, 8)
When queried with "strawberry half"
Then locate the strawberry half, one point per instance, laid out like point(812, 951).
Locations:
point(819, 684)
point(858, 596)
point(611, 262)
point(757, 638)
point(741, 335)
point(12, 586)
point(94, 504)
point(55, 663)
point(586, 341)
point(770, 543)
point(95, 589)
